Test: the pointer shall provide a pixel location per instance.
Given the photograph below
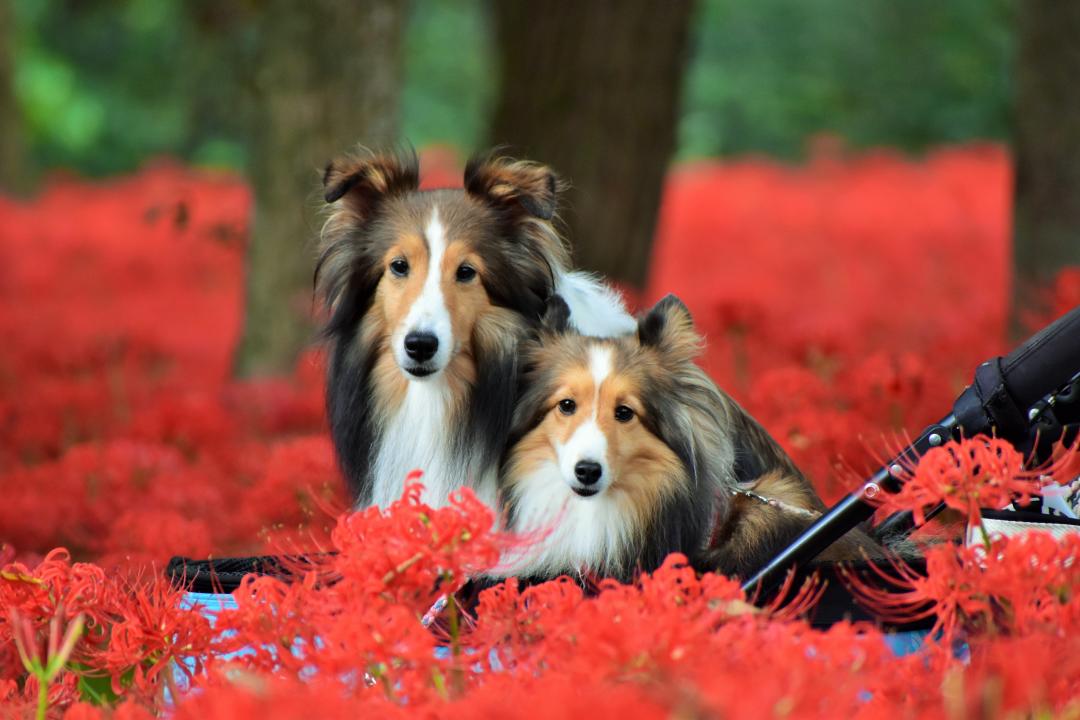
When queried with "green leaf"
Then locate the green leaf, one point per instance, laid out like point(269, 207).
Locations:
point(97, 689)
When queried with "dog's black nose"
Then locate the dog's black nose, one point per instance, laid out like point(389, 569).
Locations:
point(421, 346)
point(588, 472)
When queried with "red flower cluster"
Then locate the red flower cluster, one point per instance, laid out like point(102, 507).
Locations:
point(840, 305)
point(1015, 585)
point(978, 473)
point(346, 638)
point(357, 611)
point(131, 630)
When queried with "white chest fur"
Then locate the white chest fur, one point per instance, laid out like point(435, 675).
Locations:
point(564, 532)
point(419, 437)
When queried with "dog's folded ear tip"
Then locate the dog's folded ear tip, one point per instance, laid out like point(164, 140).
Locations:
point(365, 179)
point(529, 187)
point(339, 186)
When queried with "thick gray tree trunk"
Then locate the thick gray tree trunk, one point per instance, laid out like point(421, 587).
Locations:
point(1047, 148)
point(326, 77)
point(592, 88)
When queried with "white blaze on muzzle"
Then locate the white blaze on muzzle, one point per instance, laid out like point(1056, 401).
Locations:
point(428, 314)
point(588, 443)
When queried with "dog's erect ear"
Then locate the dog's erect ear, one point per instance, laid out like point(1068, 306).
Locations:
point(556, 316)
point(518, 185)
point(669, 328)
point(361, 183)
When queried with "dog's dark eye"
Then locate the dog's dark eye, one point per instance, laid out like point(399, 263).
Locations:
point(400, 267)
point(567, 406)
point(624, 414)
point(465, 273)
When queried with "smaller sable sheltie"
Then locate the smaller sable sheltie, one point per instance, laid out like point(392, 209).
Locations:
point(429, 292)
point(623, 451)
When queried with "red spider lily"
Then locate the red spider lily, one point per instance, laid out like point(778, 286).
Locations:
point(56, 587)
point(149, 638)
point(947, 591)
point(270, 619)
point(392, 565)
point(1024, 584)
point(134, 629)
point(413, 551)
point(526, 629)
point(967, 475)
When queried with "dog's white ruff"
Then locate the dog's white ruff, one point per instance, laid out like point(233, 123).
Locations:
point(418, 437)
point(563, 530)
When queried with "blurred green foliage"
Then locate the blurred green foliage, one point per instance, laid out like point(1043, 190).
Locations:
point(450, 74)
point(767, 74)
point(105, 85)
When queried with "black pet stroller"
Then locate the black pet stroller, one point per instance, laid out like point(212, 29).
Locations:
point(1031, 398)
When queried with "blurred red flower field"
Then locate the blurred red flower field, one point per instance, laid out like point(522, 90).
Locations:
point(844, 302)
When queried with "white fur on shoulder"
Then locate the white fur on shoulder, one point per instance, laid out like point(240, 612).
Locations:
point(595, 309)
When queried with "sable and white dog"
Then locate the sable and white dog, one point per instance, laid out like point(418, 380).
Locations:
point(623, 451)
point(429, 294)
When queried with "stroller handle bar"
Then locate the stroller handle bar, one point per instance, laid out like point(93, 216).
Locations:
point(1045, 361)
point(998, 401)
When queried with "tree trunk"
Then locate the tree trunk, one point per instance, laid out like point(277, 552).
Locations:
point(326, 78)
point(1047, 148)
point(592, 88)
point(13, 170)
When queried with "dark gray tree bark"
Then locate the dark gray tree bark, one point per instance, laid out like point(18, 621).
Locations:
point(592, 88)
point(326, 77)
point(1047, 149)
